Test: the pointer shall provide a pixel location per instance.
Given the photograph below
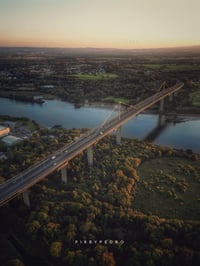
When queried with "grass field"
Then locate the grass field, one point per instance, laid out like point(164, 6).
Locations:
point(94, 77)
point(112, 99)
point(31, 126)
point(169, 188)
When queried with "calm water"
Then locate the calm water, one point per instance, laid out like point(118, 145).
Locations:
point(185, 135)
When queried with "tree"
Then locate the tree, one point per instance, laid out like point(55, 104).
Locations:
point(70, 258)
point(2, 180)
point(55, 249)
point(32, 229)
point(42, 216)
point(50, 232)
point(108, 259)
point(167, 243)
point(14, 262)
point(71, 234)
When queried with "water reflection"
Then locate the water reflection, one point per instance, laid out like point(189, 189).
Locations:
point(184, 135)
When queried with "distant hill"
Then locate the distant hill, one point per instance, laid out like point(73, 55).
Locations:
point(98, 51)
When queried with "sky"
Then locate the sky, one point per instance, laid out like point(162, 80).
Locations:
point(127, 24)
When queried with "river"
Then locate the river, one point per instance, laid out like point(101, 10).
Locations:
point(184, 135)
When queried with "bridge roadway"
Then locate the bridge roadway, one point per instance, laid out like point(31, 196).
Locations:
point(29, 177)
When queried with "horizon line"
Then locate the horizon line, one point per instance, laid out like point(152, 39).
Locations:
point(102, 48)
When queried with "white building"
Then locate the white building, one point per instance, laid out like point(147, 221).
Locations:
point(3, 156)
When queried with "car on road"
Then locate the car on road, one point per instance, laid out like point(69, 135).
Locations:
point(53, 157)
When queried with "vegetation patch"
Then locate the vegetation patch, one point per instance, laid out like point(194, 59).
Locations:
point(112, 99)
point(180, 67)
point(154, 66)
point(98, 203)
point(94, 77)
point(169, 187)
point(31, 125)
point(195, 98)
point(173, 67)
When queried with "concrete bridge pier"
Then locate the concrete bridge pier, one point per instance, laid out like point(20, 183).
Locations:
point(90, 156)
point(119, 135)
point(161, 119)
point(171, 97)
point(26, 198)
point(161, 109)
point(64, 174)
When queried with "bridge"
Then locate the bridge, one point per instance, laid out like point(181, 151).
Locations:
point(59, 160)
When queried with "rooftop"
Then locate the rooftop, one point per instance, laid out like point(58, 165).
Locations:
point(2, 127)
point(10, 140)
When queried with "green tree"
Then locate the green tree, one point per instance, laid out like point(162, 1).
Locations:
point(32, 229)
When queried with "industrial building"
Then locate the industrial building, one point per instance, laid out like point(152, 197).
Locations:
point(11, 140)
point(4, 131)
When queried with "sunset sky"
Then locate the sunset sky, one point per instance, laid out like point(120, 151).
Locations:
point(100, 23)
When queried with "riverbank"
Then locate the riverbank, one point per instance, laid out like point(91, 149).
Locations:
point(36, 96)
point(26, 96)
point(179, 115)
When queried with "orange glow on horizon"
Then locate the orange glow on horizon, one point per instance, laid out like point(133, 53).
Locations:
point(23, 42)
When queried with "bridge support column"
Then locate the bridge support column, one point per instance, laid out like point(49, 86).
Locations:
point(64, 174)
point(90, 156)
point(118, 135)
point(26, 198)
point(161, 106)
point(171, 97)
point(161, 119)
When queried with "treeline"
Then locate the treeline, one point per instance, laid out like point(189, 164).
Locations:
point(91, 219)
point(23, 98)
point(42, 143)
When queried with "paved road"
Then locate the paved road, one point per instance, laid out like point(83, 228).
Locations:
point(32, 175)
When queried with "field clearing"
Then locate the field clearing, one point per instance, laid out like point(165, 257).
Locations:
point(169, 188)
point(30, 125)
point(112, 99)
